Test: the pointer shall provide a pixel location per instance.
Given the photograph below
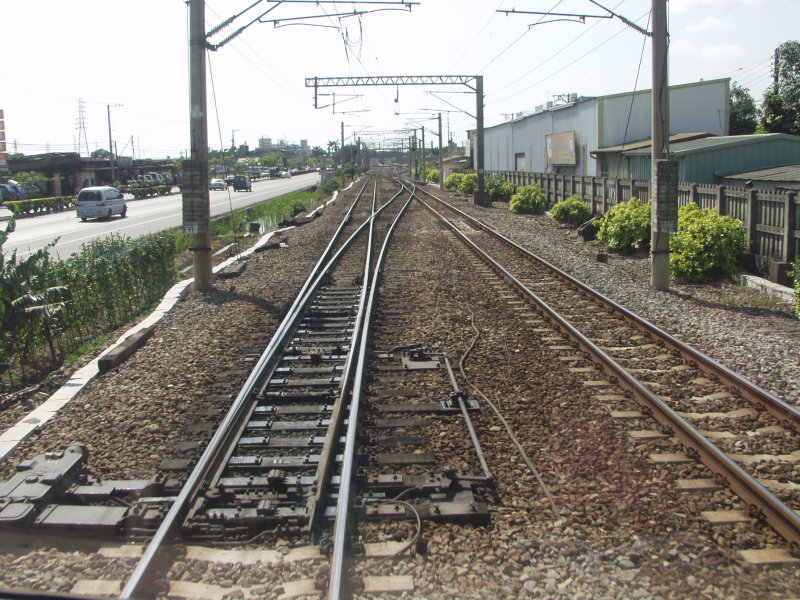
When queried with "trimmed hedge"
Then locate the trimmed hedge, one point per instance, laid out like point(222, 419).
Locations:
point(707, 245)
point(529, 200)
point(146, 192)
point(626, 225)
point(39, 205)
point(572, 211)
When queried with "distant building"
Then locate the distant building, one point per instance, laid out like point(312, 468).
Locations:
point(564, 138)
point(266, 144)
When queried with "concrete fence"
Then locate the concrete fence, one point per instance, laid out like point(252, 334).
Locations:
point(771, 218)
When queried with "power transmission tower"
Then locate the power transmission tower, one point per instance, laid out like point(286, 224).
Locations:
point(80, 126)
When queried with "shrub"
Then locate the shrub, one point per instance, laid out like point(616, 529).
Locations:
point(499, 189)
point(628, 223)
point(453, 182)
point(468, 183)
point(572, 211)
point(707, 244)
point(795, 275)
point(433, 174)
point(530, 199)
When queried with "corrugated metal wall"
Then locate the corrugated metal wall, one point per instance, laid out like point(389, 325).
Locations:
point(601, 122)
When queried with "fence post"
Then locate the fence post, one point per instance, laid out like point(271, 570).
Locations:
point(693, 193)
point(720, 195)
point(752, 212)
point(788, 227)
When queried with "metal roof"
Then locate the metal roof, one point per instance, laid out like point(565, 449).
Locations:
point(720, 142)
point(783, 173)
point(647, 144)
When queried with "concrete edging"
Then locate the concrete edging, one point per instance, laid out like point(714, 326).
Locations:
point(26, 426)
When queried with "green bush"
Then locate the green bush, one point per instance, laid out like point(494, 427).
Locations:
point(498, 188)
point(453, 182)
point(707, 245)
point(24, 207)
point(433, 174)
point(468, 183)
point(572, 211)
point(530, 200)
point(795, 275)
point(628, 223)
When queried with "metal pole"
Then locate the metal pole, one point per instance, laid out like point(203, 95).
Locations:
point(480, 194)
point(424, 161)
point(110, 144)
point(342, 155)
point(441, 170)
point(662, 219)
point(198, 178)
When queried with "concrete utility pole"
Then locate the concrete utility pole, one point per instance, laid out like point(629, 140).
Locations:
point(481, 197)
point(196, 206)
point(341, 158)
point(424, 161)
point(664, 180)
point(441, 170)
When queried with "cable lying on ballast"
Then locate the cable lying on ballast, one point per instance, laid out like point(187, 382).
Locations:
point(501, 417)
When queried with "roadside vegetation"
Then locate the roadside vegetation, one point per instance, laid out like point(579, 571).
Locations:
point(572, 211)
point(529, 200)
point(52, 312)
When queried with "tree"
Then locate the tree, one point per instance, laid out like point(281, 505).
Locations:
point(743, 113)
point(317, 152)
point(780, 111)
point(100, 154)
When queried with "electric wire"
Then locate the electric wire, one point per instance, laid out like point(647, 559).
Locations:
point(555, 54)
point(219, 130)
point(633, 93)
point(560, 69)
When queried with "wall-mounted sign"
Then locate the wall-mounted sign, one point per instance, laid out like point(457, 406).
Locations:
point(561, 149)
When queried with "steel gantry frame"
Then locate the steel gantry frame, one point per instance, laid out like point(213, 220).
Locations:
point(473, 82)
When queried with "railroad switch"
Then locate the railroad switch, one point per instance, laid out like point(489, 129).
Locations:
point(55, 491)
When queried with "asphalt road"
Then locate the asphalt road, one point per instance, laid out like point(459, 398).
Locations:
point(144, 216)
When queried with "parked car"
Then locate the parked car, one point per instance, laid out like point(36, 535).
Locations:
point(286, 175)
point(101, 202)
point(217, 184)
point(242, 182)
point(6, 193)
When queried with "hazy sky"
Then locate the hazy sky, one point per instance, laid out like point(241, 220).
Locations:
point(134, 54)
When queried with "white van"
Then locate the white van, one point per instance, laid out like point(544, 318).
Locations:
point(101, 202)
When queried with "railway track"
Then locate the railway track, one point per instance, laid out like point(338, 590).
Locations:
point(377, 382)
point(597, 336)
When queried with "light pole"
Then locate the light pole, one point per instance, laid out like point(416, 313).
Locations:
point(110, 143)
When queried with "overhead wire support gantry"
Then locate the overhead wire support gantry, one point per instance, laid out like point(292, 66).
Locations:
point(578, 18)
point(473, 82)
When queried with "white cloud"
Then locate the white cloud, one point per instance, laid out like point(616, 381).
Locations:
point(709, 24)
point(720, 52)
point(684, 6)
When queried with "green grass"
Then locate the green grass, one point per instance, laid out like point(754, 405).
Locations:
point(269, 213)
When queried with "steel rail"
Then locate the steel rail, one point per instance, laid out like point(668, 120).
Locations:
point(343, 513)
point(234, 415)
point(328, 453)
point(779, 516)
point(787, 414)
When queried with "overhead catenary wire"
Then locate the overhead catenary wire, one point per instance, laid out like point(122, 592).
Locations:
point(584, 55)
point(219, 130)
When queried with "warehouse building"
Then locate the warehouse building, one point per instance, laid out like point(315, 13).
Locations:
point(565, 138)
